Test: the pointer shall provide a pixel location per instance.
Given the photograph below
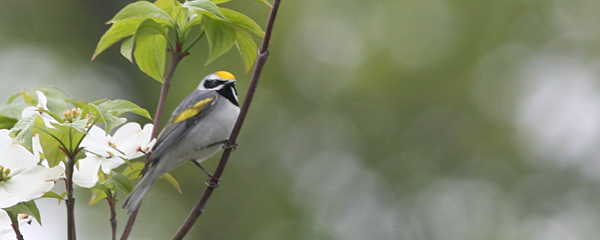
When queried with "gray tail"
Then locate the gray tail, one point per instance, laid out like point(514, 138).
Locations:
point(133, 201)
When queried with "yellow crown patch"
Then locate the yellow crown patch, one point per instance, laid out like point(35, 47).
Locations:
point(225, 75)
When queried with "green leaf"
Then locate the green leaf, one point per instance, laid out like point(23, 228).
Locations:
point(247, 48)
point(170, 179)
point(121, 183)
point(175, 11)
point(98, 114)
point(52, 115)
point(133, 170)
point(265, 2)
point(12, 110)
point(97, 195)
point(144, 10)
point(205, 6)
point(220, 37)
point(109, 112)
point(116, 32)
point(7, 123)
point(13, 97)
point(66, 135)
point(150, 48)
point(119, 107)
point(194, 19)
point(127, 48)
point(29, 98)
point(60, 197)
point(28, 208)
point(242, 21)
point(54, 195)
point(70, 134)
point(21, 131)
point(58, 101)
point(50, 140)
point(219, 1)
point(165, 5)
point(78, 125)
point(180, 14)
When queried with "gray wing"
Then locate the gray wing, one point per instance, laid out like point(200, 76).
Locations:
point(173, 131)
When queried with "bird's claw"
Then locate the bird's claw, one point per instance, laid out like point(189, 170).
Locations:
point(211, 184)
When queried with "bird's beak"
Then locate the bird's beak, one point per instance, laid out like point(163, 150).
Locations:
point(230, 82)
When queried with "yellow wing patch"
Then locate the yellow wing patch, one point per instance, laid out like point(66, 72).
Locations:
point(225, 75)
point(192, 110)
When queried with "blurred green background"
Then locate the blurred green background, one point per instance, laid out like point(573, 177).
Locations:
point(397, 119)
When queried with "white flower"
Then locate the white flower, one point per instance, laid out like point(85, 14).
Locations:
point(87, 174)
point(30, 111)
point(21, 179)
point(15, 156)
point(97, 141)
point(106, 153)
point(5, 223)
point(134, 141)
point(101, 153)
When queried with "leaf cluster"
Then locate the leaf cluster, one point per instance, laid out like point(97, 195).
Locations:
point(145, 28)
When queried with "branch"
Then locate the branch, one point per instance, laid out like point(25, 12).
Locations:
point(176, 58)
point(176, 55)
point(263, 54)
point(70, 202)
point(14, 220)
point(113, 214)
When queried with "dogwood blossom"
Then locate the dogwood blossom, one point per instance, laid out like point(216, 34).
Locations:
point(31, 111)
point(134, 141)
point(42, 102)
point(21, 178)
point(105, 152)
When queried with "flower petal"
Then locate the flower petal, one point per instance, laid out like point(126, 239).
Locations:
point(109, 164)
point(7, 199)
point(33, 182)
point(36, 146)
point(5, 224)
point(29, 111)
point(15, 156)
point(87, 174)
point(97, 141)
point(131, 139)
point(42, 100)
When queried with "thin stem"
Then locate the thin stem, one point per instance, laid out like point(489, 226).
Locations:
point(213, 182)
point(176, 56)
point(70, 202)
point(113, 214)
point(14, 220)
point(195, 41)
point(129, 225)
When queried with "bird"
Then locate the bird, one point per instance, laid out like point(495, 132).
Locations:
point(198, 128)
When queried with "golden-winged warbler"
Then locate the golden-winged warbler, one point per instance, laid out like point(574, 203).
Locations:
point(198, 129)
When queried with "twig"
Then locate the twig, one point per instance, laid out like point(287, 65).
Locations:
point(14, 220)
point(70, 202)
point(263, 54)
point(176, 57)
point(113, 214)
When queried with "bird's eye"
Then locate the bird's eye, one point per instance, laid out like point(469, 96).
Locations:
point(211, 83)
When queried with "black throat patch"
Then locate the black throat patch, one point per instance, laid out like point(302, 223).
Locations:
point(230, 93)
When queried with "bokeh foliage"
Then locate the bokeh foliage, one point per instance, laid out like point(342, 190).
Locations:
point(412, 119)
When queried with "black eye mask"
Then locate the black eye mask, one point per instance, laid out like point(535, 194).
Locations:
point(212, 83)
